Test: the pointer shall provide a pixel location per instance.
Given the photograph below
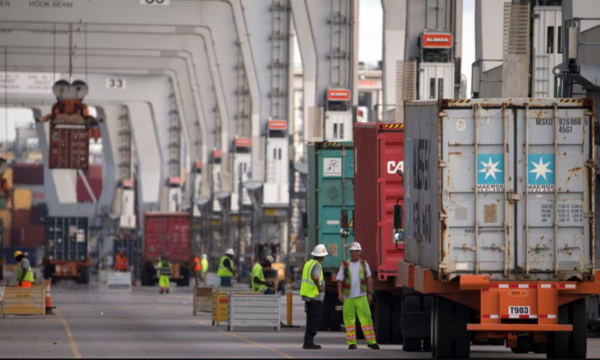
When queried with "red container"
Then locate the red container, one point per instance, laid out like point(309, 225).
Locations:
point(82, 193)
point(29, 236)
point(69, 148)
point(378, 153)
point(94, 171)
point(26, 174)
point(21, 218)
point(169, 234)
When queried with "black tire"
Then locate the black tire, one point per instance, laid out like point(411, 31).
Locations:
point(433, 329)
point(538, 347)
point(84, 278)
point(382, 320)
point(411, 303)
point(522, 345)
point(444, 329)
point(336, 318)
point(397, 337)
point(462, 337)
point(558, 342)
point(578, 337)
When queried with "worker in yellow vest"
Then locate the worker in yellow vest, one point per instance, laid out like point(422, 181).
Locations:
point(24, 273)
point(204, 264)
point(312, 291)
point(225, 271)
point(257, 277)
point(355, 290)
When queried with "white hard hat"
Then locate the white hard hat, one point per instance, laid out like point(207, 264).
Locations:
point(229, 252)
point(204, 256)
point(319, 251)
point(355, 246)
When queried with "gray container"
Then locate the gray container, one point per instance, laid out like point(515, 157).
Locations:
point(486, 179)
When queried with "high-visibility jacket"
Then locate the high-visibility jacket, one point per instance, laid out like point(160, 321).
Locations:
point(164, 266)
point(197, 266)
point(121, 263)
point(223, 271)
point(308, 287)
point(347, 284)
point(28, 274)
point(257, 271)
point(204, 266)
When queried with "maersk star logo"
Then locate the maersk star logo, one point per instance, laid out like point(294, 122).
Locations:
point(490, 172)
point(540, 173)
point(541, 169)
point(490, 169)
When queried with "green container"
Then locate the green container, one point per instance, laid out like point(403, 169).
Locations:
point(330, 191)
point(3, 203)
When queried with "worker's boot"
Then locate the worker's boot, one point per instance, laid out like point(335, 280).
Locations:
point(167, 290)
point(161, 291)
point(309, 344)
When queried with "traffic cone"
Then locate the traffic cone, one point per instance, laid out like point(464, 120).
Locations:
point(48, 298)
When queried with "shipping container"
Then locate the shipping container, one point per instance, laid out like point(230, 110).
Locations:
point(499, 221)
point(32, 235)
point(69, 148)
point(94, 172)
point(6, 219)
point(379, 154)
point(27, 174)
point(83, 194)
point(66, 239)
point(9, 176)
point(32, 251)
point(38, 213)
point(4, 203)
point(21, 218)
point(331, 190)
point(22, 199)
point(169, 234)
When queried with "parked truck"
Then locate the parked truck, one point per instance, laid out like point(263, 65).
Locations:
point(499, 221)
point(169, 234)
point(66, 249)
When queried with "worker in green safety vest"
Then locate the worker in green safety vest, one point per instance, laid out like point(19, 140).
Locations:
point(257, 277)
point(312, 291)
point(225, 271)
point(24, 273)
point(355, 291)
point(164, 270)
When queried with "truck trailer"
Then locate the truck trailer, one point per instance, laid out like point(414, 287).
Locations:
point(499, 221)
point(169, 234)
point(66, 249)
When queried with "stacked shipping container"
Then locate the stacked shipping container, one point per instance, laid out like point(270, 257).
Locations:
point(94, 179)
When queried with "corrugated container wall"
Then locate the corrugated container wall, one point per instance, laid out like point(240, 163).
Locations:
point(379, 153)
point(32, 252)
point(69, 148)
point(26, 174)
point(31, 236)
point(66, 238)
point(486, 180)
point(6, 218)
point(132, 249)
point(329, 163)
point(168, 234)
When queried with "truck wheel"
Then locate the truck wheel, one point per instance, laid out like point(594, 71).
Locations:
point(578, 337)
point(538, 347)
point(558, 342)
point(185, 277)
point(522, 345)
point(84, 278)
point(462, 338)
point(433, 328)
point(410, 304)
point(444, 328)
point(382, 322)
point(396, 336)
point(427, 306)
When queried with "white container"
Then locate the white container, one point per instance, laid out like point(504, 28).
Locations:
point(254, 310)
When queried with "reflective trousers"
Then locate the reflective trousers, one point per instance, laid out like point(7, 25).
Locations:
point(163, 281)
point(360, 306)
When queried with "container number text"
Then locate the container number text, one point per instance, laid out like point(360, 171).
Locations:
point(155, 2)
point(116, 83)
point(518, 310)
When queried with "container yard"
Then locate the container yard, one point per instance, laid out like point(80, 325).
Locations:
point(299, 178)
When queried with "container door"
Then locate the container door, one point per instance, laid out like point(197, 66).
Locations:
point(334, 165)
point(556, 180)
point(478, 154)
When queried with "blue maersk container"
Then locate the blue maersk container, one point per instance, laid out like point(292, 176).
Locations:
point(66, 239)
point(330, 190)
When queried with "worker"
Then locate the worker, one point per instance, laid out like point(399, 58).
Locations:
point(312, 291)
point(121, 263)
point(204, 265)
point(257, 277)
point(355, 290)
point(24, 274)
point(225, 271)
point(164, 268)
point(197, 269)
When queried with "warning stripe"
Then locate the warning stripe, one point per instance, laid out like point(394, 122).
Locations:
point(394, 126)
point(511, 286)
point(548, 316)
point(490, 316)
point(548, 286)
point(519, 316)
point(457, 102)
point(570, 101)
point(331, 143)
point(568, 286)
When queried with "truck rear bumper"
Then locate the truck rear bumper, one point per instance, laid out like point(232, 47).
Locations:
point(516, 328)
